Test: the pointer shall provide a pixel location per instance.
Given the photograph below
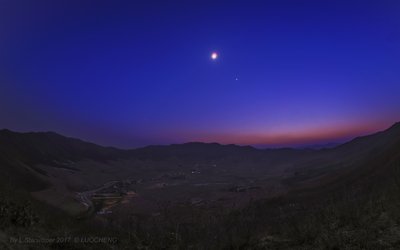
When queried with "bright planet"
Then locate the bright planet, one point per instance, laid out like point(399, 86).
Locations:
point(214, 56)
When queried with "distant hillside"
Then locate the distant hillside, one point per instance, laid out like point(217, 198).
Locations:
point(21, 152)
point(362, 161)
point(49, 147)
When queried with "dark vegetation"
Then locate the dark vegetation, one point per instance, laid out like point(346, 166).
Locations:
point(365, 217)
point(355, 217)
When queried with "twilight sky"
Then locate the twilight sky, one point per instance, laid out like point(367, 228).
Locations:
point(133, 73)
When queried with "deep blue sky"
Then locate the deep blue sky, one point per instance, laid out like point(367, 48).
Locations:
point(133, 73)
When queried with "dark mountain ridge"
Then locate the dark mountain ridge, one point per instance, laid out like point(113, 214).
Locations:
point(48, 148)
point(21, 152)
point(366, 161)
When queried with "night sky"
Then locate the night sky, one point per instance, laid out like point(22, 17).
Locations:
point(134, 73)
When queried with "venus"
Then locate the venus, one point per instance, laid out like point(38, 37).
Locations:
point(214, 56)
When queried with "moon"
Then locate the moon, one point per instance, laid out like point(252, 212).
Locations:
point(214, 56)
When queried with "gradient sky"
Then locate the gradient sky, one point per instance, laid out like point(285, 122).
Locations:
point(133, 73)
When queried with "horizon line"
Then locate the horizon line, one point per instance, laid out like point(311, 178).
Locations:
point(338, 142)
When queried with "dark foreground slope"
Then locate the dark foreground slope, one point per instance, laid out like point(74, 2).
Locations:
point(20, 153)
point(353, 206)
point(362, 161)
point(340, 198)
point(356, 207)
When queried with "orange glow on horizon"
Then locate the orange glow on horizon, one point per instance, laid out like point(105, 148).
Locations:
point(305, 136)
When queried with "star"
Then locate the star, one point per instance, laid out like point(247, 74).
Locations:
point(214, 56)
